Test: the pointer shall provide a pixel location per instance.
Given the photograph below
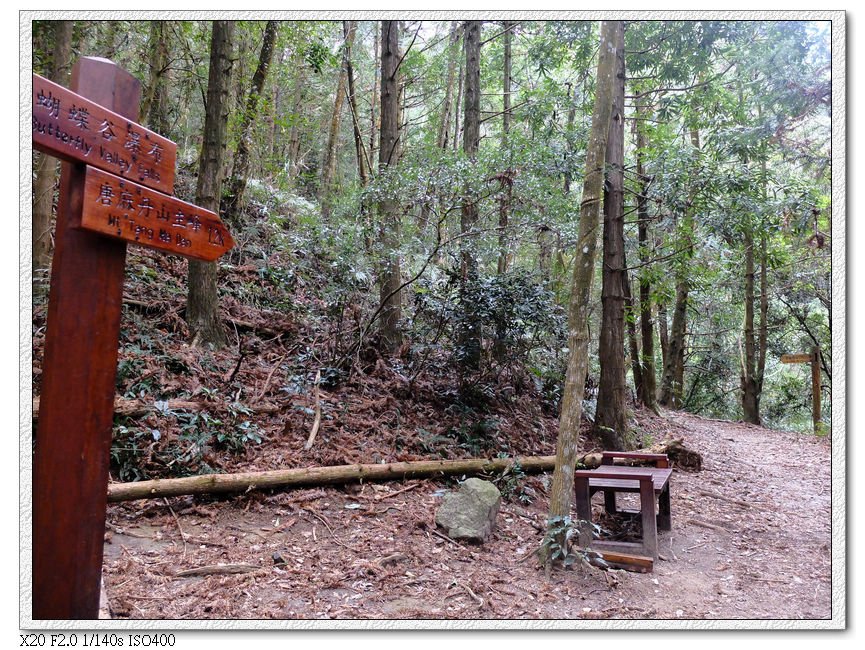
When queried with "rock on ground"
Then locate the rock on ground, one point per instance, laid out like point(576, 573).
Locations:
point(470, 512)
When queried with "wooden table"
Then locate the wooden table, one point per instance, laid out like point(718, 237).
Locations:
point(650, 482)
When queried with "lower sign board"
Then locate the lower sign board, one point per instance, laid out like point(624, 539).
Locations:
point(796, 358)
point(117, 207)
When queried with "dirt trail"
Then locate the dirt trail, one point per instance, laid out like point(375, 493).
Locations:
point(751, 539)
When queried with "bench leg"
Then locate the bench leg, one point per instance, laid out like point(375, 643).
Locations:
point(650, 524)
point(610, 501)
point(584, 510)
point(665, 520)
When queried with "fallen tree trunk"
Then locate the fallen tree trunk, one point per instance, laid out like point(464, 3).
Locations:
point(306, 476)
point(338, 474)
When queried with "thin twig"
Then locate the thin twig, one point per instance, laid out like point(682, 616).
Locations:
point(179, 527)
point(317, 422)
point(269, 377)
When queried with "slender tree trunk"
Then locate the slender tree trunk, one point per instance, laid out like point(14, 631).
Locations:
point(45, 173)
point(663, 333)
point(349, 28)
point(648, 389)
point(202, 307)
point(633, 339)
point(155, 103)
point(470, 334)
point(567, 445)
point(389, 218)
point(373, 113)
point(240, 172)
point(328, 168)
point(673, 380)
point(457, 112)
point(748, 378)
point(508, 180)
point(611, 419)
point(294, 134)
point(453, 55)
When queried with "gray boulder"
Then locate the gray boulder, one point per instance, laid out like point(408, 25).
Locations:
point(470, 512)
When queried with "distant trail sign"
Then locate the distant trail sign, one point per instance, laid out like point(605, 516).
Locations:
point(814, 360)
point(73, 128)
point(120, 208)
point(115, 180)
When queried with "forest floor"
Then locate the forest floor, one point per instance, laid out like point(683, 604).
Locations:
point(751, 539)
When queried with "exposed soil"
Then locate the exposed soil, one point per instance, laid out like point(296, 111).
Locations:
point(751, 540)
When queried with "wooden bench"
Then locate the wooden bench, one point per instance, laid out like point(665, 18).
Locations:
point(649, 482)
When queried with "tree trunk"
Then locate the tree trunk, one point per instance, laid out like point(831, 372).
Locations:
point(470, 334)
point(233, 201)
point(155, 103)
point(45, 173)
point(673, 380)
point(328, 168)
point(648, 392)
point(611, 422)
point(457, 112)
point(294, 134)
point(748, 379)
point(349, 28)
point(373, 114)
point(633, 340)
point(508, 180)
point(663, 333)
point(389, 218)
point(567, 444)
point(453, 55)
point(202, 307)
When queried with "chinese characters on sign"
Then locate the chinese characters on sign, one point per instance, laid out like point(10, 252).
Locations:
point(73, 128)
point(120, 208)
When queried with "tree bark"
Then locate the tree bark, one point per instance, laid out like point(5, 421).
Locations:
point(202, 307)
point(349, 27)
point(567, 444)
point(611, 420)
point(155, 103)
point(470, 334)
point(673, 379)
point(45, 173)
point(648, 389)
point(328, 168)
point(389, 219)
point(447, 107)
point(240, 172)
point(748, 380)
point(508, 179)
point(294, 134)
point(633, 340)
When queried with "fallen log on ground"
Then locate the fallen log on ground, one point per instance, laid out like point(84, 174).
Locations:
point(334, 475)
point(307, 476)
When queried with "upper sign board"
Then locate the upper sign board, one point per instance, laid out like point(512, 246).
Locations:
point(75, 129)
point(119, 208)
point(796, 358)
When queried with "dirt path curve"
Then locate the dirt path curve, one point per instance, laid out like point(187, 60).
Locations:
point(767, 496)
point(751, 539)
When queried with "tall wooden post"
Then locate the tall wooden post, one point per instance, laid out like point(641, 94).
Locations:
point(815, 386)
point(73, 440)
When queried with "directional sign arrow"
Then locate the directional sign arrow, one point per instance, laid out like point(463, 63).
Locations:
point(73, 128)
point(117, 207)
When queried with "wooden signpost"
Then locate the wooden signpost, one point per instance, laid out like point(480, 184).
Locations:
point(95, 126)
point(814, 360)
